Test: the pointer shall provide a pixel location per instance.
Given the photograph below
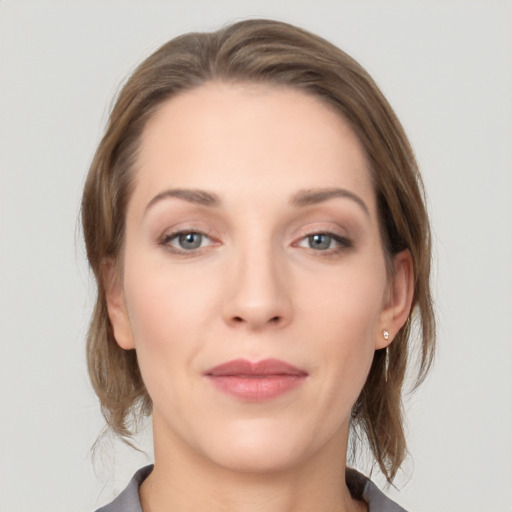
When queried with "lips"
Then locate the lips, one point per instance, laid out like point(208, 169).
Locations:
point(256, 381)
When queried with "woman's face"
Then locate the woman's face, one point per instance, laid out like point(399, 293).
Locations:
point(254, 285)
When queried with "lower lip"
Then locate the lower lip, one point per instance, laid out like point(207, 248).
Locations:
point(257, 388)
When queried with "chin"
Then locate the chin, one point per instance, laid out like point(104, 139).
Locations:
point(261, 447)
point(258, 459)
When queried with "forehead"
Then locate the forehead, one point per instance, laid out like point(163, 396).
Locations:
point(234, 137)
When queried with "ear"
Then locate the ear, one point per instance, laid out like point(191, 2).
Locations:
point(116, 305)
point(398, 300)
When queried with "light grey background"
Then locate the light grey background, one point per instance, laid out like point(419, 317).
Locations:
point(445, 66)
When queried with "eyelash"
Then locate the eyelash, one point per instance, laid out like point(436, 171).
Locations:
point(341, 243)
point(169, 237)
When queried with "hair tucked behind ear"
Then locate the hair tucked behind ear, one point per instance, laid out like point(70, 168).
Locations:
point(263, 51)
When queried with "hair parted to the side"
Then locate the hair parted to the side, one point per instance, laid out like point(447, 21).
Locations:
point(270, 52)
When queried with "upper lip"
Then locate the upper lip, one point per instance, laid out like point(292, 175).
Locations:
point(264, 367)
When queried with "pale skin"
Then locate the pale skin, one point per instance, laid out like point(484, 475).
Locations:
point(286, 262)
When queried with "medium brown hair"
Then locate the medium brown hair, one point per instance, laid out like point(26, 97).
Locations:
point(269, 52)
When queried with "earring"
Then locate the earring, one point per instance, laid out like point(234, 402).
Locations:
point(386, 365)
point(385, 333)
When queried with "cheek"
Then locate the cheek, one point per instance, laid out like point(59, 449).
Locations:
point(349, 300)
point(168, 313)
point(166, 307)
point(171, 309)
point(346, 317)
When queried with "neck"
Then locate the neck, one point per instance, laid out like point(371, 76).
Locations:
point(184, 481)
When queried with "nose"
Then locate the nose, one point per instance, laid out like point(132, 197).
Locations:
point(259, 295)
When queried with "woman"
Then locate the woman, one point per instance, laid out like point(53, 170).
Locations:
point(255, 221)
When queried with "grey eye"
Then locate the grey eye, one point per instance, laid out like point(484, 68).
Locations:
point(190, 241)
point(320, 241)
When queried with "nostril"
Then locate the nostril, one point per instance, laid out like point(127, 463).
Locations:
point(273, 320)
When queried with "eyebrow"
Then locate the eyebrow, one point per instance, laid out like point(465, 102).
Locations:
point(319, 195)
point(302, 198)
point(194, 196)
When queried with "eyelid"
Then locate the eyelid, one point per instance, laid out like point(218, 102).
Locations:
point(340, 239)
point(165, 240)
point(328, 227)
point(172, 236)
point(343, 241)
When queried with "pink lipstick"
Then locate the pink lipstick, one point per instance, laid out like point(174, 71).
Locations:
point(256, 381)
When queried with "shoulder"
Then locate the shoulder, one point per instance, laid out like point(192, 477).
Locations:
point(128, 500)
point(363, 488)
